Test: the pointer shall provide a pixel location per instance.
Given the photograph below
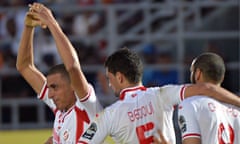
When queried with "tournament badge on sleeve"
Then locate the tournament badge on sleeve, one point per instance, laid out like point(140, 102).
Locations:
point(182, 124)
point(90, 132)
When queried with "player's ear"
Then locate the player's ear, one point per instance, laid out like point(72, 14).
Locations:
point(198, 74)
point(119, 77)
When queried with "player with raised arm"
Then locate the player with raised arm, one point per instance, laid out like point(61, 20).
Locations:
point(65, 89)
point(204, 120)
point(140, 111)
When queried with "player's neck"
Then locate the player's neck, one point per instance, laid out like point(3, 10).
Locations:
point(134, 85)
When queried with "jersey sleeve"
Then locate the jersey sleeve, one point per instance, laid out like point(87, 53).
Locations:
point(43, 95)
point(90, 102)
point(187, 120)
point(98, 130)
point(171, 94)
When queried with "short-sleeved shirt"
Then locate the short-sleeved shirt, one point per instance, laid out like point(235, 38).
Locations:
point(69, 125)
point(209, 120)
point(136, 116)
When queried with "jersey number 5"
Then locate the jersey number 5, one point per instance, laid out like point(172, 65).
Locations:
point(140, 130)
point(228, 134)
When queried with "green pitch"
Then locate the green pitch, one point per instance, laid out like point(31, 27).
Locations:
point(24, 136)
point(29, 136)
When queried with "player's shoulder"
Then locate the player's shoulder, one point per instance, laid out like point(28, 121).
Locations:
point(172, 88)
point(230, 106)
point(111, 110)
point(190, 101)
point(114, 106)
point(152, 90)
point(198, 101)
point(167, 87)
point(197, 98)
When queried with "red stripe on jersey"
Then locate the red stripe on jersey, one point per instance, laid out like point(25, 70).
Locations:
point(122, 94)
point(56, 138)
point(182, 92)
point(44, 91)
point(82, 117)
point(87, 96)
point(55, 111)
point(191, 135)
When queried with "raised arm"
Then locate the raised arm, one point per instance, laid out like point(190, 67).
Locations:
point(213, 91)
point(25, 59)
point(65, 49)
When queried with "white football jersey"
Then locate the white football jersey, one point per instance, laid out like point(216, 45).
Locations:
point(136, 116)
point(69, 125)
point(209, 120)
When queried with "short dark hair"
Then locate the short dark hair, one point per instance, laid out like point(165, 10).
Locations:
point(212, 66)
point(60, 68)
point(127, 62)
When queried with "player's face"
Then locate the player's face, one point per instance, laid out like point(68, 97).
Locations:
point(60, 92)
point(113, 83)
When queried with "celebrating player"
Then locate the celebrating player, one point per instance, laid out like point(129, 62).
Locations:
point(65, 89)
point(140, 111)
point(204, 120)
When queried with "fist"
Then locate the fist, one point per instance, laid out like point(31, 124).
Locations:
point(32, 21)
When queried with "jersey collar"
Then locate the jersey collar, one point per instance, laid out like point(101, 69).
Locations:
point(124, 91)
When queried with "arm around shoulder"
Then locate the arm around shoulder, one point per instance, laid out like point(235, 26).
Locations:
point(212, 91)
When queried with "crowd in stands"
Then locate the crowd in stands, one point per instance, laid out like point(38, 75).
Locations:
point(80, 25)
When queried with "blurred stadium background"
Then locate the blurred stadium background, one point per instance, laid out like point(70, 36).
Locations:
point(168, 34)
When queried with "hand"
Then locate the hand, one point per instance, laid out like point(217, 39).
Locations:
point(32, 21)
point(49, 141)
point(160, 139)
point(42, 14)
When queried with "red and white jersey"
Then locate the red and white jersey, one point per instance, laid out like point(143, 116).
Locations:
point(69, 125)
point(136, 116)
point(209, 120)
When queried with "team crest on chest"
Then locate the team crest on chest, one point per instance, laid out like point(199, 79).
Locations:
point(66, 135)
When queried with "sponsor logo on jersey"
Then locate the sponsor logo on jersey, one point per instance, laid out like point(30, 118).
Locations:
point(90, 132)
point(182, 123)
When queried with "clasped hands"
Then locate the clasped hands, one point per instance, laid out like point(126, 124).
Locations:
point(32, 17)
